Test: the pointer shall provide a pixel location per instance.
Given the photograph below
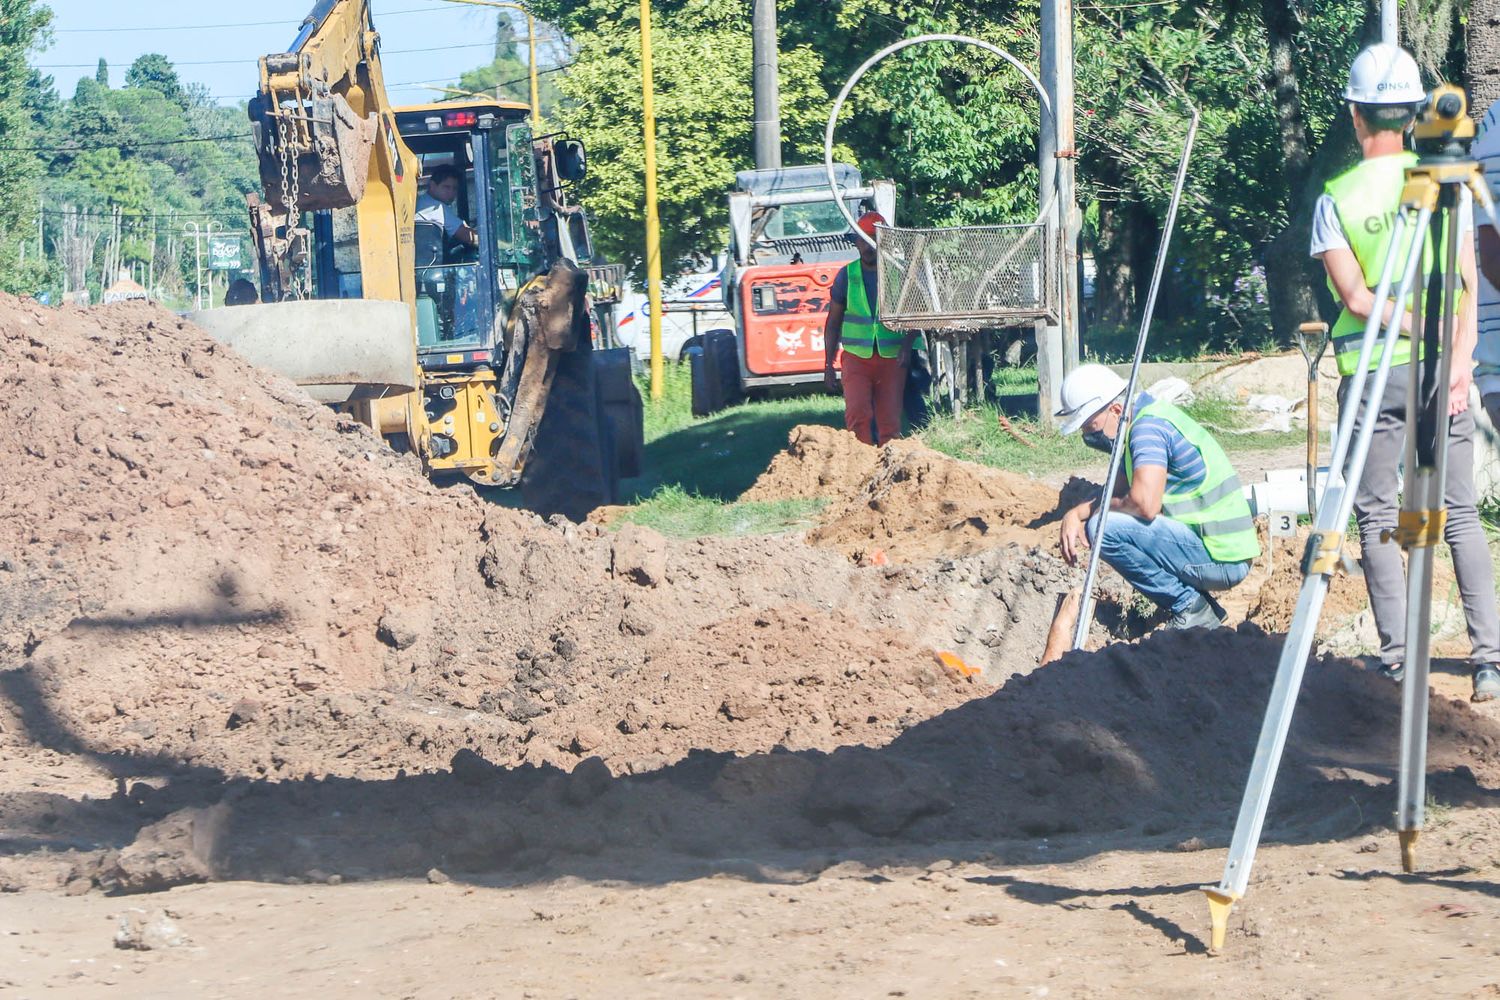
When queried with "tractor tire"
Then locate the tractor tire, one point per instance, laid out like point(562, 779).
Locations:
point(622, 402)
point(573, 466)
point(706, 397)
point(721, 350)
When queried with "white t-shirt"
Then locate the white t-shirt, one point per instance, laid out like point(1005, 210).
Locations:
point(432, 212)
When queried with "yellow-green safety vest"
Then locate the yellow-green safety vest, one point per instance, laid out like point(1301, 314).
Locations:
point(864, 334)
point(1216, 509)
point(1367, 198)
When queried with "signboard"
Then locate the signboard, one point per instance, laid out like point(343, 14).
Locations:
point(224, 253)
point(1283, 524)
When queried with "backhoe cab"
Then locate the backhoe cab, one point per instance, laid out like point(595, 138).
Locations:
point(467, 298)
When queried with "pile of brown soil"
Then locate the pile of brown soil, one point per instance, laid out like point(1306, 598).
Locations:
point(1273, 602)
point(201, 567)
point(295, 655)
point(904, 499)
point(818, 462)
point(1132, 742)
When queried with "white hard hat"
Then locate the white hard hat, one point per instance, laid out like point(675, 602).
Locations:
point(1087, 390)
point(1384, 74)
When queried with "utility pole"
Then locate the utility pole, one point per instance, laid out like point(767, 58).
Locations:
point(653, 221)
point(767, 88)
point(1390, 26)
point(536, 103)
point(1057, 344)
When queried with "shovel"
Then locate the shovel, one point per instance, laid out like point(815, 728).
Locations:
point(1312, 341)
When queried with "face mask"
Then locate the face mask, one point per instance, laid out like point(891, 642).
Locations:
point(1099, 441)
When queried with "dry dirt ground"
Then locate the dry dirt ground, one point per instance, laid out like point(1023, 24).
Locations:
point(278, 717)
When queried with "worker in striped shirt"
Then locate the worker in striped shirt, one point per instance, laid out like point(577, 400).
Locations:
point(1178, 526)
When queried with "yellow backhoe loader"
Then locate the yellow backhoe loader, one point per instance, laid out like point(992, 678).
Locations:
point(478, 354)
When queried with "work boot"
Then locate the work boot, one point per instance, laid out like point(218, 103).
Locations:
point(1486, 682)
point(1199, 614)
point(1395, 672)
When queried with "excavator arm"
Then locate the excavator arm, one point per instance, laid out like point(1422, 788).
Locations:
point(326, 138)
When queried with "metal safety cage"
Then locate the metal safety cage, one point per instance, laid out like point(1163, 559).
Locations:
point(968, 277)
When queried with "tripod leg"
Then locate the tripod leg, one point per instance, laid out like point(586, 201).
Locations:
point(1423, 516)
point(1318, 564)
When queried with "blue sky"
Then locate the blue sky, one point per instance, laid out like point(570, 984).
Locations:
point(187, 33)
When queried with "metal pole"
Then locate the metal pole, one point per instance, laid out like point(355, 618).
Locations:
point(766, 87)
point(536, 101)
point(192, 227)
point(653, 221)
point(536, 104)
point(1057, 343)
point(1127, 415)
point(1049, 350)
point(1390, 28)
point(209, 238)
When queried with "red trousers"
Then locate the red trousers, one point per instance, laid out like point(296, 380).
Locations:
point(873, 391)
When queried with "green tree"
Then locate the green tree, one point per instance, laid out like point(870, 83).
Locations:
point(702, 55)
point(507, 76)
point(101, 74)
point(126, 171)
point(23, 28)
point(152, 71)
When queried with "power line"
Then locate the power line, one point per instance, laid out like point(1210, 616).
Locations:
point(241, 24)
point(425, 83)
point(106, 213)
point(123, 145)
point(241, 62)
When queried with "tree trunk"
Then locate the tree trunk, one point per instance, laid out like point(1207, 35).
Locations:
point(1114, 278)
point(1290, 273)
point(1483, 44)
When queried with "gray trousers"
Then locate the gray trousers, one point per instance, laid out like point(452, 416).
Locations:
point(1375, 510)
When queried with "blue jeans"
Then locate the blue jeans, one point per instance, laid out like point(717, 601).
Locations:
point(1163, 559)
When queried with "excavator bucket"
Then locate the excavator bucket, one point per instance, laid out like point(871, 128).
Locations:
point(332, 174)
point(338, 350)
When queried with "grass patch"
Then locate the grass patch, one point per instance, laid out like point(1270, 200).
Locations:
point(675, 512)
point(717, 457)
point(976, 435)
point(1226, 420)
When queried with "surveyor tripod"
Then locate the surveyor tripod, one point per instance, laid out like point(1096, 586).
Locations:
point(1427, 220)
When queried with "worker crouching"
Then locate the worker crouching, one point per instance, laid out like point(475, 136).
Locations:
point(1179, 527)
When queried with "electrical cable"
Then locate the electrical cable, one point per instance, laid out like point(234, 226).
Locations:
point(241, 24)
point(237, 62)
point(123, 145)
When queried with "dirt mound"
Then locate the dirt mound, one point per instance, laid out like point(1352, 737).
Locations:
point(818, 462)
point(1274, 601)
point(200, 567)
point(1145, 741)
point(904, 499)
point(280, 651)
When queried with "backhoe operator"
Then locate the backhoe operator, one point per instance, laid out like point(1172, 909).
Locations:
point(437, 220)
point(1179, 525)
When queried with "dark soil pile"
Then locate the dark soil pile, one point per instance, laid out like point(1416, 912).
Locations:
point(1145, 744)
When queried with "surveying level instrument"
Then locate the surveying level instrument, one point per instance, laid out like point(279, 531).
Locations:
point(1428, 206)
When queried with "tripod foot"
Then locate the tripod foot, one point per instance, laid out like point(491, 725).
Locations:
point(1219, 905)
point(1408, 849)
